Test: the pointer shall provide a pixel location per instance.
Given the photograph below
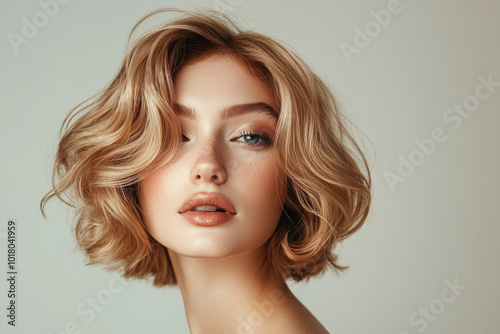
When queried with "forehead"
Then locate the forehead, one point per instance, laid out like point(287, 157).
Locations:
point(218, 81)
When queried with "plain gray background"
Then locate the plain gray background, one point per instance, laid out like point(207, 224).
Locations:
point(437, 228)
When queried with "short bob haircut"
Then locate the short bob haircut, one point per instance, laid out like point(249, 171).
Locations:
point(128, 130)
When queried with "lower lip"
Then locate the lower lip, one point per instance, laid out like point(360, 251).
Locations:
point(205, 218)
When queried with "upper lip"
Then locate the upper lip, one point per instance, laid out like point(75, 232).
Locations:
point(200, 199)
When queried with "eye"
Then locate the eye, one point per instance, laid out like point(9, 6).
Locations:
point(255, 138)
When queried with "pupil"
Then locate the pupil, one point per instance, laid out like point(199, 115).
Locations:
point(249, 137)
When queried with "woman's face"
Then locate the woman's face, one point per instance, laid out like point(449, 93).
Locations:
point(228, 154)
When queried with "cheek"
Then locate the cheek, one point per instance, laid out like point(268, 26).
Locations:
point(155, 193)
point(260, 183)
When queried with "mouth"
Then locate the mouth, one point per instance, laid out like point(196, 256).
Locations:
point(207, 209)
point(207, 218)
point(207, 202)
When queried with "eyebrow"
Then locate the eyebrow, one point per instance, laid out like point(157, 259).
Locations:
point(230, 111)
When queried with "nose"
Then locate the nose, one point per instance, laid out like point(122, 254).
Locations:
point(209, 166)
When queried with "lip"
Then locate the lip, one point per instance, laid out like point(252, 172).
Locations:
point(206, 218)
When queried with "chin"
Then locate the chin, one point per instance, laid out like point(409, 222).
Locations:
point(216, 246)
point(207, 248)
point(226, 240)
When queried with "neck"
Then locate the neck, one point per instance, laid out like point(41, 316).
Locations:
point(221, 294)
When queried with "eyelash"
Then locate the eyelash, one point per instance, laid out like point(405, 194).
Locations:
point(267, 140)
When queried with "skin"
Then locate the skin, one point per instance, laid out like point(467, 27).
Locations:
point(226, 284)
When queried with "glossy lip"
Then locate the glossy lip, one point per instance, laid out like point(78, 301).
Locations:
point(205, 218)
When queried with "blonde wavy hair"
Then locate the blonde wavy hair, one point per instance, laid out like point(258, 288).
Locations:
point(114, 139)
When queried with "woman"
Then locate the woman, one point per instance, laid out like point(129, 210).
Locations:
point(215, 160)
